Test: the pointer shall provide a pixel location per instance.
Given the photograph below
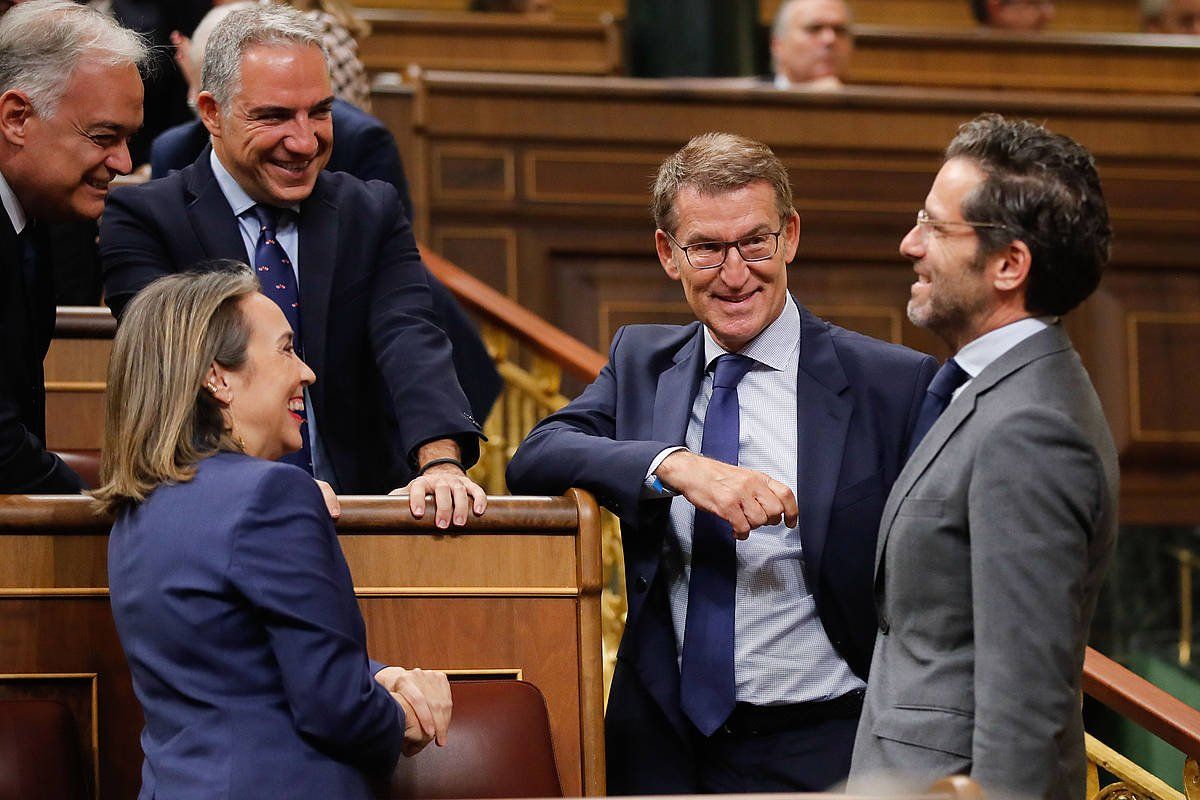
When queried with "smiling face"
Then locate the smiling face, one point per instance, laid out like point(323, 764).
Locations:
point(737, 300)
point(264, 395)
point(62, 164)
point(952, 295)
point(816, 42)
point(275, 137)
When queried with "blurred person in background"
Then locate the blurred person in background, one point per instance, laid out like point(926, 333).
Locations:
point(811, 43)
point(1013, 15)
point(1171, 16)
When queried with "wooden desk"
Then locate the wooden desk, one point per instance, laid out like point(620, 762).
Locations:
point(1072, 15)
point(538, 185)
point(518, 592)
point(489, 42)
point(985, 59)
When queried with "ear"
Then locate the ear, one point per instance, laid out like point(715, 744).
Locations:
point(1012, 271)
point(666, 255)
point(209, 112)
point(15, 113)
point(216, 381)
point(791, 237)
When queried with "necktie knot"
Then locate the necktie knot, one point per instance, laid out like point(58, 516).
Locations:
point(948, 378)
point(268, 218)
point(730, 369)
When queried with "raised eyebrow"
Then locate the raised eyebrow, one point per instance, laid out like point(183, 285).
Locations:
point(323, 105)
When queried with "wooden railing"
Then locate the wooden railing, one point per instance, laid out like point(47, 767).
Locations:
point(1148, 706)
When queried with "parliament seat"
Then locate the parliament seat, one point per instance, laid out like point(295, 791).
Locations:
point(39, 752)
point(86, 464)
point(498, 746)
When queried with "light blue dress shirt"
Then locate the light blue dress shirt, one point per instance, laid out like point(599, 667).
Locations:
point(977, 354)
point(781, 651)
point(287, 233)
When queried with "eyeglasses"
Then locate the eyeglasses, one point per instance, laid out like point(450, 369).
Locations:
point(710, 255)
point(928, 224)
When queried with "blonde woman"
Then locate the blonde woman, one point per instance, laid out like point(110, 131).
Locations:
point(231, 596)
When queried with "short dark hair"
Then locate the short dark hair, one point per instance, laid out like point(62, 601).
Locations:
point(980, 10)
point(1044, 188)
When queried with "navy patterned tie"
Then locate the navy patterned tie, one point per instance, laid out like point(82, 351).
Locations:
point(278, 281)
point(706, 680)
point(937, 397)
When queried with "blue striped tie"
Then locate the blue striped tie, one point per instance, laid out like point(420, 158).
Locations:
point(278, 281)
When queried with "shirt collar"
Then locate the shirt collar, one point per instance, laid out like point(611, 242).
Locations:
point(12, 206)
point(772, 347)
point(238, 200)
point(977, 354)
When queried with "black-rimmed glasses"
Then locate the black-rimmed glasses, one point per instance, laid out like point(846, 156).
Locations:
point(710, 255)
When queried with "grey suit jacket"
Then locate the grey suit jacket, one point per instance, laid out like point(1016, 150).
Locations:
point(992, 548)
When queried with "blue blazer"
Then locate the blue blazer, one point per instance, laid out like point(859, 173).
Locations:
point(385, 378)
point(247, 650)
point(857, 402)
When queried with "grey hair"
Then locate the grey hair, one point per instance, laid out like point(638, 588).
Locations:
point(246, 28)
point(784, 16)
point(208, 24)
point(43, 41)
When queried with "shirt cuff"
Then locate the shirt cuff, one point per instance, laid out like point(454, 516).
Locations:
point(652, 487)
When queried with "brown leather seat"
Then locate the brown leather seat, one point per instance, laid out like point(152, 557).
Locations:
point(499, 746)
point(86, 464)
point(39, 752)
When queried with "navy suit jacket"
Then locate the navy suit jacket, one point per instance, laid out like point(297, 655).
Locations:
point(245, 643)
point(857, 401)
point(364, 147)
point(385, 380)
point(26, 327)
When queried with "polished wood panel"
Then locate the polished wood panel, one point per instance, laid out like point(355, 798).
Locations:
point(489, 42)
point(1072, 15)
point(514, 593)
point(861, 161)
point(987, 59)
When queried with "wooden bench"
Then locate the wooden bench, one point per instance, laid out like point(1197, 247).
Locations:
point(514, 595)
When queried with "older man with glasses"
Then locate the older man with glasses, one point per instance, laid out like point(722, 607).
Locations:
point(1014, 15)
point(748, 455)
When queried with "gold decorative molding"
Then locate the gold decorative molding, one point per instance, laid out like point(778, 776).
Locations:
point(533, 191)
point(92, 387)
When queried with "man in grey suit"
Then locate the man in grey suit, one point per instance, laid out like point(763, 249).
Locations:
point(995, 537)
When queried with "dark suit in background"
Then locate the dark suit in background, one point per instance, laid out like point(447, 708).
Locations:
point(278, 699)
point(365, 148)
point(26, 327)
point(385, 382)
point(857, 400)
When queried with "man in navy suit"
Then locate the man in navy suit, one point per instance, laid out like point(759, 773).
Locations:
point(748, 636)
point(70, 99)
point(365, 148)
point(386, 401)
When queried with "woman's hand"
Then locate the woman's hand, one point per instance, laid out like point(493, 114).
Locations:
point(425, 697)
point(331, 499)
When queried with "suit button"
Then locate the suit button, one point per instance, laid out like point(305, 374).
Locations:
point(884, 625)
point(640, 584)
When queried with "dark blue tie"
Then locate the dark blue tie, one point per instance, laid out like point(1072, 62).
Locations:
point(707, 689)
point(278, 281)
point(937, 397)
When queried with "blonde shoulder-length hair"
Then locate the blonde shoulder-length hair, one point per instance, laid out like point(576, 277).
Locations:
point(159, 420)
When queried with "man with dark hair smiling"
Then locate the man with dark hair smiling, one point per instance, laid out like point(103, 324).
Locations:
point(996, 535)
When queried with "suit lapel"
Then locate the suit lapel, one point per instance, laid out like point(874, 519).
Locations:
point(680, 381)
point(1051, 340)
point(318, 261)
point(822, 422)
point(210, 215)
